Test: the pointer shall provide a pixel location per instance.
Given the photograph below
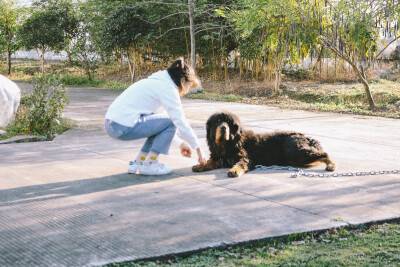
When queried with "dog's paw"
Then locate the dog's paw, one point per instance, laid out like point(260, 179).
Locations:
point(197, 168)
point(330, 167)
point(235, 172)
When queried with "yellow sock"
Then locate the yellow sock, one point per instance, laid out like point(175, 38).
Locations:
point(152, 157)
point(141, 157)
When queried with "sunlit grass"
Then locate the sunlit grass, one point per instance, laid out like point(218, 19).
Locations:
point(378, 245)
point(340, 98)
point(99, 83)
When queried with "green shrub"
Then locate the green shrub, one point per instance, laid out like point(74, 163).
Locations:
point(40, 112)
point(300, 74)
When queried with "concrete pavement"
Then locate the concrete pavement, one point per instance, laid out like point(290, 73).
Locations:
point(70, 201)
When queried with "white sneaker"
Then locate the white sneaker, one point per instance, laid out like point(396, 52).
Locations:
point(134, 166)
point(154, 168)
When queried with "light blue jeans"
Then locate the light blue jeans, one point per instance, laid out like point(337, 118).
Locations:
point(157, 128)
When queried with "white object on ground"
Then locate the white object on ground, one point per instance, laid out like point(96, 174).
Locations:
point(10, 96)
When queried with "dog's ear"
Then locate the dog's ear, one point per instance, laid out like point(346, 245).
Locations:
point(208, 128)
point(236, 131)
point(209, 124)
point(210, 132)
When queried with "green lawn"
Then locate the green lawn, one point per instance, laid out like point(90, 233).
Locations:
point(377, 245)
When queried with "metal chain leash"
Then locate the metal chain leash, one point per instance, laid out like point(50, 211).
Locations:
point(300, 172)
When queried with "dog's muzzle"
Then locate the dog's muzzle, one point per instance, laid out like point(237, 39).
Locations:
point(222, 132)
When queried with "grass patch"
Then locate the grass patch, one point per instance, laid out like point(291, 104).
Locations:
point(377, 245)
point(340, 98)
point(214, 97)
point(85, 82)
point(24, 70)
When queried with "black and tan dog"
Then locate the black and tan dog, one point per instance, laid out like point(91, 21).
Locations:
point(241, 150)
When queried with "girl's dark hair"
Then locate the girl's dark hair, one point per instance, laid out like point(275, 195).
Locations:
point(179, 70)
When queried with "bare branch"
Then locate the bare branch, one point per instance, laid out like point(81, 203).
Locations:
point(171, 29)
point(207, 29)
point(199, 26)
point(395, 39)
point(170, 15)
point(156, 2)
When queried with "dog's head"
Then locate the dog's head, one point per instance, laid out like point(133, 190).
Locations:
point(223, 128)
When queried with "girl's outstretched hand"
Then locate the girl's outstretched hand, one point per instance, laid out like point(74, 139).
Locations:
point(185, 150)
point(202, 159)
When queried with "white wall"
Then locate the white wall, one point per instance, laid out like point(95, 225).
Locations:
point(34, 55)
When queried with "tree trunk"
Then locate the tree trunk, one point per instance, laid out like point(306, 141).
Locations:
point(278, 64)
point(220, 67)
point(362, 77)
point(278, 74)
point(151, 58)
point(364, 81)
point(69, 55)
point(9, 61)
point(359, 72)
point(240, 67)
point(131, 68)
point(42, 60)
point(277, 81)
point(192, 40)
point(369, 95)
point(226, 68)
point(187, 45)
point(138, 62)
point(88, 72)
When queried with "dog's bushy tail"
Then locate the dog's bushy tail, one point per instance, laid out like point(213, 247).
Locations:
point(308, 150)
point(319, 155)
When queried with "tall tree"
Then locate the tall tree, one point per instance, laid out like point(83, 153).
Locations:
point(276, 29)
point(85, 52)
point(192, 16)
point(67, 11)
point(10, 21)
point(217, 39)
point(124, 29)
point(175, 25)
point(190, 5)
point(353, 30)
point(42, 31)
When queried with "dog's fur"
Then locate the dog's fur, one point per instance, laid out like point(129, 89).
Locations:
point(241, 150)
